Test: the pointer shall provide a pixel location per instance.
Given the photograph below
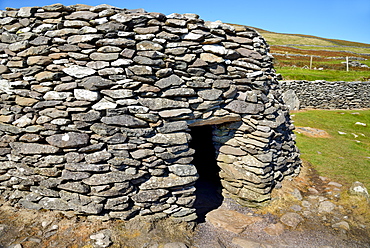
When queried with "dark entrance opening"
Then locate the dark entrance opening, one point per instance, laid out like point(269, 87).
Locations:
point(208, 186)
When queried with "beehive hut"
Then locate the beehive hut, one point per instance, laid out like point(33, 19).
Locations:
point(99, 107)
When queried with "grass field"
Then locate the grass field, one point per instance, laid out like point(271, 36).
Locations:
point(297, 73)
point(328, 56)
point(342, 157)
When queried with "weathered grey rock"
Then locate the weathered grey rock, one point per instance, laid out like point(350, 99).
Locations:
point(148, 45)
point(242, 107)
point(162, 103)
point(118, 94)
point(170, 138)
point(71, 175)
point(183, 170)
point(124, 120)
point(358, 188)
point(75, 187)
point(150, 195)
point(97, 157)
point(82, 38)
point(326, 206)
point(104, 56)
point(85, 95)
point(10, 128)
point(54, 203)
point(167, 182)
point(291, 219)
point(246, 243)
point(291, 100)
point(169, 81)
point(31, 148)
point(231, 220)
point(104, 104)
point(79, 71)
point(87, 167)
point(92, 115)
point(112, 177)
point(68, 140)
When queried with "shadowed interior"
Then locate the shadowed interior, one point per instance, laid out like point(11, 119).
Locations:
point(208, 186)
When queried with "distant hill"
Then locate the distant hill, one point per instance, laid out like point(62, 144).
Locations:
point(295, 53)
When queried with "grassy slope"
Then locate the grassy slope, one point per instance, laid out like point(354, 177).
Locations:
point(290, 67)
point(340, 157)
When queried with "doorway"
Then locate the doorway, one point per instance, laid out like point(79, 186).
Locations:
point(208, 186)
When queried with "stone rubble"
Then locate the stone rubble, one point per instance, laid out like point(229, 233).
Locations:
point(97, 103)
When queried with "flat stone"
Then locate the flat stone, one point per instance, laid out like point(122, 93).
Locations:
point(111, 177)
point(124, 120)
point(118, 94)
point(31, 148)
point(90, 116)
point(85, 95)
point(242, 107)
point(75, 39)
point(54, 204)
point(120, 42)
point(97, 157)
point(170, 127)
point(69, 140)
point(149, 195)
point(211, 58)
point(79, 71)
point(141, 70)
point(229, 150)
point(210, 95)
point(83, 15)
point(82, 167)
point(174, 113)
point(183, 170)
point(170, 138)
point(96, 82)
point(274, 229)
point(167, 182)
point(326, 206)
point(246, 243)
point(291, 219)
point(55, 95)
point(104, 104)
point(172, 80)
point(104, 56)
point(73, 175)
point(162, 103)
point(230, 220)
point(148, 45)
point(75, 187)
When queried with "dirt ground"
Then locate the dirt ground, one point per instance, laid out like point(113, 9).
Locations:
point(31, 229)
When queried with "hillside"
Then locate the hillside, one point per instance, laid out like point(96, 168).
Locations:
point(293, 54)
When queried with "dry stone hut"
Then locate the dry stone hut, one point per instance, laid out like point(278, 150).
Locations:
point(99, 107)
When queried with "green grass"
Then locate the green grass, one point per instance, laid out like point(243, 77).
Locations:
point(295, 73)
point(339, 157)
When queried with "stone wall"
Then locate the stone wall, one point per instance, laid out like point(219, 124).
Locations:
point(328, 95)
point(97, 104)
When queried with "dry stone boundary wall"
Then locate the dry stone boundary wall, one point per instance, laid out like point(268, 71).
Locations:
point(97, 104)
point(328, 95)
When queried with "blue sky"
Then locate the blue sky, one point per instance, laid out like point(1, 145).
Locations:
point(336, 19)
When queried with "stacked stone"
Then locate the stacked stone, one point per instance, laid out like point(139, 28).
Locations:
point(97, 103)
point(322, 94)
